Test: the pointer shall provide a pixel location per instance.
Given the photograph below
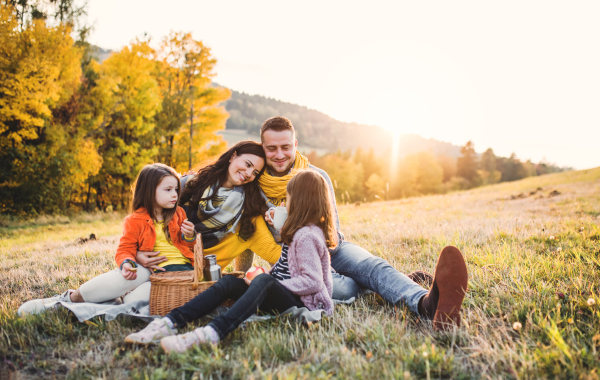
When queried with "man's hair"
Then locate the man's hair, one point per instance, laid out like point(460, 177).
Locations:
point(277, 123)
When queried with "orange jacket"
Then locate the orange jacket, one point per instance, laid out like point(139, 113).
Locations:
point(139, 235)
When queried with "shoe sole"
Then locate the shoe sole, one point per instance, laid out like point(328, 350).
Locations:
point(129, 340)
point(452, 279)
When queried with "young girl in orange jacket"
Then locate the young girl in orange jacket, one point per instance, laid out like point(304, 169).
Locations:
point(157, 224)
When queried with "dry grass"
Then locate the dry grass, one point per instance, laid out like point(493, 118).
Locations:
point(515, 270)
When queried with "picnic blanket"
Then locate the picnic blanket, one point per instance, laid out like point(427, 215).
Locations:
point(141, 309)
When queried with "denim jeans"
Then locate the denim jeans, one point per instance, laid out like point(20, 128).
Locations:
point(376, 274)
point(264, 293)
point(177, 268)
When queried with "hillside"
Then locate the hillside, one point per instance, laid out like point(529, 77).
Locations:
point(532, 260)
point(317, 130)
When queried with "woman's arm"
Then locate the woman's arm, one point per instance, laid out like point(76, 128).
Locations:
point(305, 257)
point(262, 242)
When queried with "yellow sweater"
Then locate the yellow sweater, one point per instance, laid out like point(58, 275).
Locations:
point(262, 243)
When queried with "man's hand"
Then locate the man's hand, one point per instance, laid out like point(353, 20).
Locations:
point(269, 216)
point(270, 213)
point(188, 229)
point(150, 260)
point(129, 272)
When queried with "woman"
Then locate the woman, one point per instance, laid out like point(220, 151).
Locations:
point(223, 202)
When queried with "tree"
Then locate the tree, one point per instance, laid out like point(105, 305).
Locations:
point(512, 169)
point(375, 187)
point(123, 105)
point(466, 165)
point(184, 74)
point(488, 173)
point(448, 165)
point(43, 157)
point(419, 174)
point(346, 177)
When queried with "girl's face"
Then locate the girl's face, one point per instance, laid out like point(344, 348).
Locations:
point(243, 169)
point(167, 192)
point(287, 201)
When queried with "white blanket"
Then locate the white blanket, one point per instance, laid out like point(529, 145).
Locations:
point(141, 309)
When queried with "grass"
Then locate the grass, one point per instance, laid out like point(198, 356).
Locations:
point(532, 260)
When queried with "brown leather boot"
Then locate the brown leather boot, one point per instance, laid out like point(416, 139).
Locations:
point(420, 277)
point(444, 300)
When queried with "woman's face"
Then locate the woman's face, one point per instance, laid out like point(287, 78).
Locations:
point(243, 169)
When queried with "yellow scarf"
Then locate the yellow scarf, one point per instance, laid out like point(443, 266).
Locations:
point(274, 187)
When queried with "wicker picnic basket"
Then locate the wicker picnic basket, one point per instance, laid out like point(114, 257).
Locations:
point(170, 290)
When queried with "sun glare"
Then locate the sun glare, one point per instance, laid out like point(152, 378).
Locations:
point(404, 87)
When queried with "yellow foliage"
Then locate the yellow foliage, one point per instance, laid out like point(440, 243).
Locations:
point(39, 69)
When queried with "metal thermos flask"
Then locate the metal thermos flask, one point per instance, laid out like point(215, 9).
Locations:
point(212, 271)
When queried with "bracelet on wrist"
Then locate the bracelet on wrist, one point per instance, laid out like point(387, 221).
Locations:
point(186, 238)
point(133, 263)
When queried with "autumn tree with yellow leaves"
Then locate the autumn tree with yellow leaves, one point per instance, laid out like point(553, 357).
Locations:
point(74, 132)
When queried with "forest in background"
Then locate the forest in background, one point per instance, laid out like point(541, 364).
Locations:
point(78, 122)
point(74, 132)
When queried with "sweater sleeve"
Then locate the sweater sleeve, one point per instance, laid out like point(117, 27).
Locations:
point(304, 252)
point(262, 242)
point(128, 244)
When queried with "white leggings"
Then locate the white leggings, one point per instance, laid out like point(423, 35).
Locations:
point(111, 285)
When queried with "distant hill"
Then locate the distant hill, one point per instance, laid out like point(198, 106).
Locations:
point(321, 132)
point(314, 128)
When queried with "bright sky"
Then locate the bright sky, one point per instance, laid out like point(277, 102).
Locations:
point(516, 76)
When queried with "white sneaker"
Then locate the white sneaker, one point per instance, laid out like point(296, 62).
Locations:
point(153, 333)
point(43, 304)
point(183, 342)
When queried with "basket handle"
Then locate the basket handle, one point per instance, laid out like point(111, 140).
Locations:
point(198, 262)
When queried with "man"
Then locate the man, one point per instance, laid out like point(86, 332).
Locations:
point(441, 304)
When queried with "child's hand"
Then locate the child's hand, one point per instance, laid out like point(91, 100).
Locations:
point(129, 272)
point(188, 229)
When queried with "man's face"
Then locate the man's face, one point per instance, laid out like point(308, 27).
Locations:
point(280, 149)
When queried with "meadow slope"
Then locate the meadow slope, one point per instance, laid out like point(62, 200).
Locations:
point(533, 252)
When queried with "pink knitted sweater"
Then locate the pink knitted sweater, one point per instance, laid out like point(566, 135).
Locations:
point(310, 269)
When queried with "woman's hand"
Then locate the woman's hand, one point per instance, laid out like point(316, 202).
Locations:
point(129, 272)
point(247, 281)
point(188, 229)
point(150, 260)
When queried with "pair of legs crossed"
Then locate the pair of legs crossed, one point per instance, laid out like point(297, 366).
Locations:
point(376, 274)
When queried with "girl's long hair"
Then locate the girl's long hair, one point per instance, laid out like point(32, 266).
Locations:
point(310, 203)
point(216, 173)
point(144, 192)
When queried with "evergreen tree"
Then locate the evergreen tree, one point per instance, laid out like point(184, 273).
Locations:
point(466, 165)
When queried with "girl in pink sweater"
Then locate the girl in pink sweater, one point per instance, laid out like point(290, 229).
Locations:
point(301, 277)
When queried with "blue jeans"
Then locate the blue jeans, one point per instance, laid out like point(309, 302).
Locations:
point(373, 273)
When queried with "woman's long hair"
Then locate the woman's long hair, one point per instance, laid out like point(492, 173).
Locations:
point(309, 203)
point(144, 192)
point(216, 173)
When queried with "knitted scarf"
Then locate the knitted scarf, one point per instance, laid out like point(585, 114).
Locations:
point(274, 187)
point(220, 215)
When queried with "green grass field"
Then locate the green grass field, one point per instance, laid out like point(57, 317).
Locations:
point(534, 260)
